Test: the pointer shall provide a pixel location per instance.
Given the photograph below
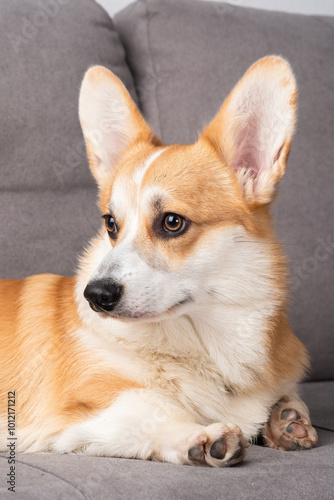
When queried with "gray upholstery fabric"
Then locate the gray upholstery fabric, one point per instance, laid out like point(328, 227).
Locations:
point(319, 397)
point(192, 53)
point(47, 194)
point(266, 474)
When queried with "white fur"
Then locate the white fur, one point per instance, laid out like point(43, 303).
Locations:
point(160, 426)
point(199, 353)
point(120, 431)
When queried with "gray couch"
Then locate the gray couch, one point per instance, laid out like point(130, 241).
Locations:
point(179, 59)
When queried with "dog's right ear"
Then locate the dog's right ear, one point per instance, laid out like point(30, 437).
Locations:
point(109, 119)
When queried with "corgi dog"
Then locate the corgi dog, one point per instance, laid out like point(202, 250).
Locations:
point(172, 341)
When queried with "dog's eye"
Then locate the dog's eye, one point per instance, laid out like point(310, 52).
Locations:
point(173, 223)
point(110, 225)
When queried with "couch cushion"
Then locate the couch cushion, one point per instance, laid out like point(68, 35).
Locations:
point(186, 56)
point(319, 397)
point(265, 473)
point(47, 194)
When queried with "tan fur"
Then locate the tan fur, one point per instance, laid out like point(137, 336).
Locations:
point(55, 378)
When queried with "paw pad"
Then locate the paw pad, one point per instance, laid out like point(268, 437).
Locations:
point(296, 430)
point(289, 428)
point(218, 449)
point(237, 452)
point(290, 414)
point(196, 453)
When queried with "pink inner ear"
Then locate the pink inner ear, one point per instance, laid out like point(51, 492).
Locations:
point(248, 151)
point(252, 148)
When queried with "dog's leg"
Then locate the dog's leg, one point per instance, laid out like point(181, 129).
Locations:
point(143, 424)
point(289, 426)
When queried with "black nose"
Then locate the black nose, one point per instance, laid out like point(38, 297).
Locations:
point(103, 295)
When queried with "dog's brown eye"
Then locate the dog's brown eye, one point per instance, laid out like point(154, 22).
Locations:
point(110, 224)
point(173, 223)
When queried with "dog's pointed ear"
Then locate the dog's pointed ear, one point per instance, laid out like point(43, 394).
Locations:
point(109, 119)
point(253, 130)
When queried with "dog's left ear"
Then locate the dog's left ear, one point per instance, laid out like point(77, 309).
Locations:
point(110, 121)
point(253, 129)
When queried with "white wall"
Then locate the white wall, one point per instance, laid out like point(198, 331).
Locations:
point(303, 6)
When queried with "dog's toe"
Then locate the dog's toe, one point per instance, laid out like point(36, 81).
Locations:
point(217, 445)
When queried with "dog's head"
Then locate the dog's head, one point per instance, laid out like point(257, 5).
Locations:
point(175, 216)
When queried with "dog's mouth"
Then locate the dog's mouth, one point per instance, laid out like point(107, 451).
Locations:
point(128, 315)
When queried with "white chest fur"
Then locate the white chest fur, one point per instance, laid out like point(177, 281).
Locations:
point(208, 373)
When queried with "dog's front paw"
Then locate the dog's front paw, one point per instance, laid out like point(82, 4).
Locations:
point(289, 426)
point(217, 445)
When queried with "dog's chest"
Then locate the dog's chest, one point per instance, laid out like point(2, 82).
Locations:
point(192, 380)
point(196, 383)
point(209, 372)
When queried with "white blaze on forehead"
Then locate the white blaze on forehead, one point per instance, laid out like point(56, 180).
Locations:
point(138, 176)
point(140, 171)
point(120, 195)
point(126, 207)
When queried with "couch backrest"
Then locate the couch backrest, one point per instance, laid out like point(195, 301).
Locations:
point(48, 196)
point(186, 56)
